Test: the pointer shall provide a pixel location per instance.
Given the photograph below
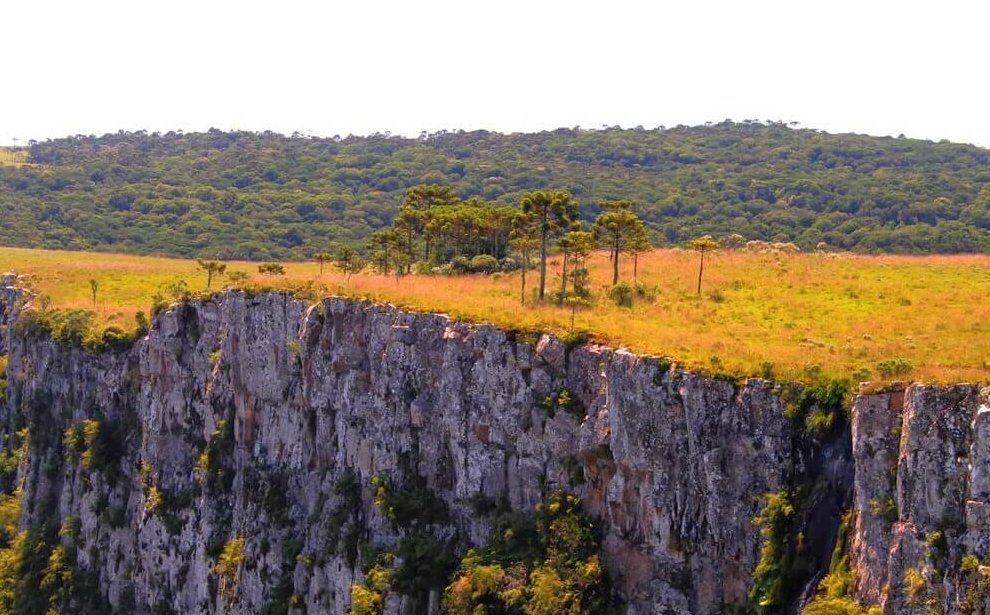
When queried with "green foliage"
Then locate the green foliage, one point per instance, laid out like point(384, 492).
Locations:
point(566, 401)
point(833, 590)
point(212, 268)
point(622, 294)
point(885, 509)
point(214, 462)
point(76, 328)
point(542, 565)
point(969, 563)
point(412, 505)
point(890, 368)
point(914, 586)
point(783, 560)
point(264, 196)
point(271, 269)
point(817, 406)
point(369, 597)
point(227, 568)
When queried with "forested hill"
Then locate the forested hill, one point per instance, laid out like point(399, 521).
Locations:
point(268, 196)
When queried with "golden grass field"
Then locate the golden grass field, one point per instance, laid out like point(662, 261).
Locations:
point(10, 156)
point(804, 313)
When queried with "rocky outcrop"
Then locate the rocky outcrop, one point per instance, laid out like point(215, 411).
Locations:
point(671, 465)
point(11, 297)
point(922, 497)
point(265, 418)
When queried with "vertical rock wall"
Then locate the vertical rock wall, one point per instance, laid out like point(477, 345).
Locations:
point(249, 415)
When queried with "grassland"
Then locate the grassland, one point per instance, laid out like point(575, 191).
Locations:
point(15, 157)
point(806, 314)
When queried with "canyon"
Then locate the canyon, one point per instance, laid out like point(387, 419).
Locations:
point(269, 418)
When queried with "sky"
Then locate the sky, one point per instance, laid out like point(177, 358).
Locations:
point(342, 67)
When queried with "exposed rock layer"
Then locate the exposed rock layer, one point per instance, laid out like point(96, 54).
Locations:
point(671, 465)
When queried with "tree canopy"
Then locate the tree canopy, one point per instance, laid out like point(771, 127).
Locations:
point(265, 196)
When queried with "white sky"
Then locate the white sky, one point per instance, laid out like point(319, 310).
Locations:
point(339, 67)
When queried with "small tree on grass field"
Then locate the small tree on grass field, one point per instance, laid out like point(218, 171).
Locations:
point(576, 302)
point(618, 229)
point(524, 245)
point(272, 269)
point(322, 258)
point(346, 258)
point(574, 248)
point(93, 287)
point(553, 211)
point(638, 244)
point(702, 245)
point(212, 268)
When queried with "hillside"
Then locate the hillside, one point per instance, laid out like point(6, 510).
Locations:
point(262, 196)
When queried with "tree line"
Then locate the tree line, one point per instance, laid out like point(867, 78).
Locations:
point(434, 231)
point(265, 196)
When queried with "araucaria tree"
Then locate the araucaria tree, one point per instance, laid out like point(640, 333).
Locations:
point(322, 258)
point(523, 243)
point(553, 211)
point(212, 268)
point(93, 287)
point(574, 248)
point(346, 259)
point(702, 245)
point(620, 230)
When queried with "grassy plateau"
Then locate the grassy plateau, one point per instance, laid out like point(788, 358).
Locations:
point(781, 315)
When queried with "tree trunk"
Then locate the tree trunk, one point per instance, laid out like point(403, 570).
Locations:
point(701, 270)
point(543, 262)
point(522, 298)
point(615, 262)
point(563, 277)
point(636, 267)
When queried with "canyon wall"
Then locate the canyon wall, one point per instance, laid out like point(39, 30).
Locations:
point(263, 417)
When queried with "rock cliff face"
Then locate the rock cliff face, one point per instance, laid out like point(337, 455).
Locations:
point(265, 418)
point(922, 499)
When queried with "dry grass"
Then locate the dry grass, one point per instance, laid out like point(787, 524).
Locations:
point(15, 157)
point(804, 313)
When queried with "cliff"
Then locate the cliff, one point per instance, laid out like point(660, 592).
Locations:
point(267, 419)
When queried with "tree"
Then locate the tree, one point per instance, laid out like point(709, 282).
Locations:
point(638, 243)
point(212, 268)
point(322, 258)
point(383, 243)
point(346, 259)
point(413, 213)
point(425, 196)
point(93, 287)
point(575, 246)
point(702, 245)
point(554, 211)
point(616, 228)
point(271, 269)
point(524, 242)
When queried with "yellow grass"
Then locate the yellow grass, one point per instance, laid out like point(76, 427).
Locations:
point(11, 156)
point(807, 312)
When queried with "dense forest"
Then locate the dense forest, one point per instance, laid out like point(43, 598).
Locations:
point(268, 196)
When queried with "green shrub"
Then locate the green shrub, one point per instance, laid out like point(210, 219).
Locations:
point(483, 263)
point(891, 368)
point(564, 400)
point(885, 509)
point(969, 563)
point(815, 407)
point(271, 269)
point(547, 563)
point(783, 562)
point(621, 294)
